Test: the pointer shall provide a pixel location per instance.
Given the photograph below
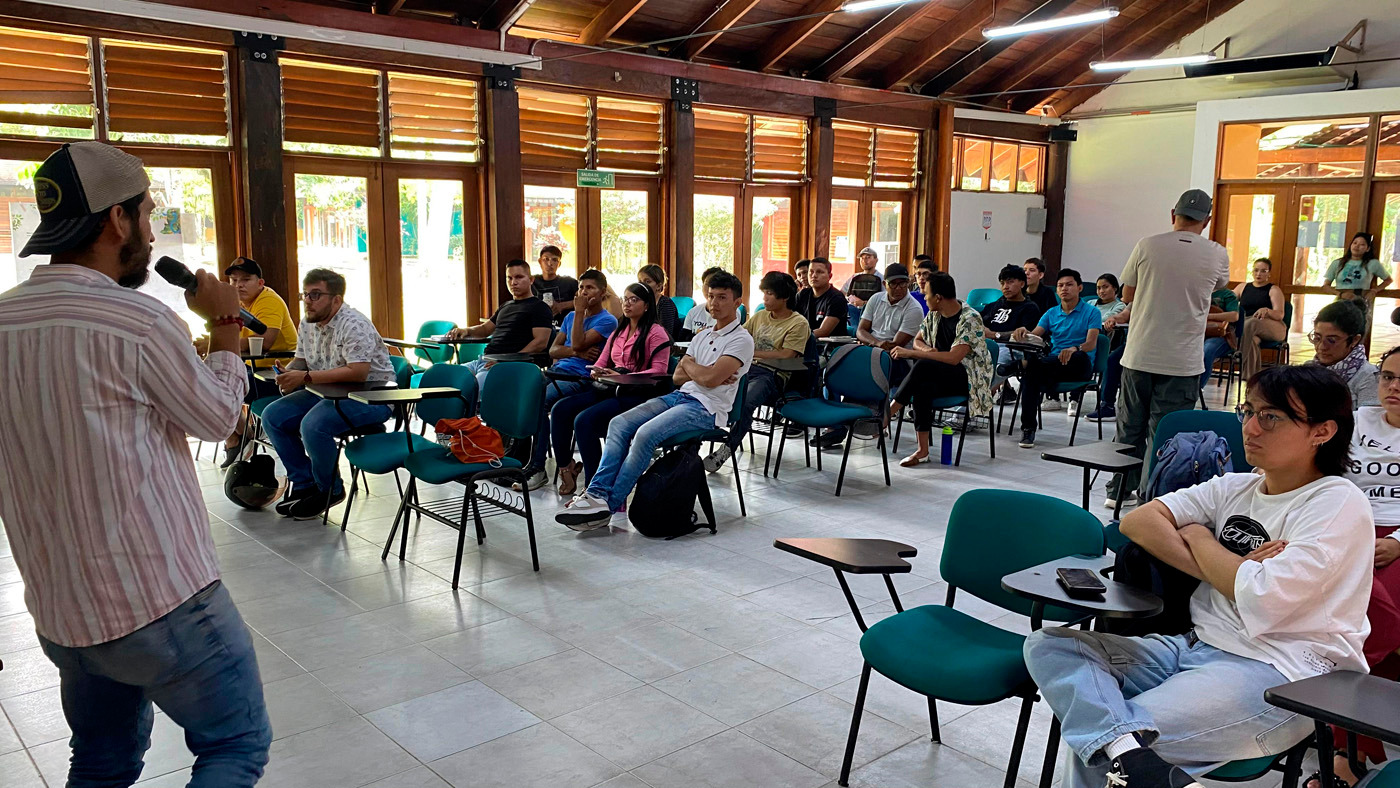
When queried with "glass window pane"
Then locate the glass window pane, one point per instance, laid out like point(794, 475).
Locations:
point(772, 234)
point(1389, 251)
point(551, 219)
point(624, 233)
point(842, 249)
point(1322, 236)
point(714, 236)
point(1028, 169)
point(183, 223)
point(1003, 166)
point(333, 232)
point(885, 218)
point(1388, 154)
point(1332, 148)
point(975, 154)
point(1249, 232)
point(19, 218)
point(1385, 335)
point(432, 253)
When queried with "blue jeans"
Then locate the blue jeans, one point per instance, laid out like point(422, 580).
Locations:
point(583, 419)
point(1216, 347)
point(762, 388)
point(633, 436)
point(1195, 705)
point(302, 428)
point(197, 664)
point(554, 390)
point(1113, 378)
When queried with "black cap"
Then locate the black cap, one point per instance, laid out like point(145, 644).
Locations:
point(75, 187)
point(894, 272)
point(245, 264)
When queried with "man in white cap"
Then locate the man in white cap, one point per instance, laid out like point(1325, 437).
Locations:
point(97, 490)
point(1167, 283)
point(867, 282)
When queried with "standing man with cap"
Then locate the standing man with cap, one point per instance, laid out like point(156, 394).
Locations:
point(98, 492)
point(1167, 284)
point(280, 335)
point(865, 284)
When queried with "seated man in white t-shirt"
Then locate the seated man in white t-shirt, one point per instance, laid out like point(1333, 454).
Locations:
point(708, 377)
point(699, 315)
point(1284, 561)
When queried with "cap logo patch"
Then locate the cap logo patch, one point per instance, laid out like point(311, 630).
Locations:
point(47, 194)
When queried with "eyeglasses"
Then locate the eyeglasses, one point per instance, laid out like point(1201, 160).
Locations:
point(1384, 379)
point(630, 300)
point(313, 296)
point(1267, 421)
point(1324, 339)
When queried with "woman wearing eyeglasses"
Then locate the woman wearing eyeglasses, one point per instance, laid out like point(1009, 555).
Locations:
point(1375, 468)
point(1336, 336)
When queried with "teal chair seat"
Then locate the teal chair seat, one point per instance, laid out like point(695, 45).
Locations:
point(977, 663)
point(436, 465)
point(1388, 778)
point(260, 404)
point(824, 413)
point(384, 453)
point(1242, 771)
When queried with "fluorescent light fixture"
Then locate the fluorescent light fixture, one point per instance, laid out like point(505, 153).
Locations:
point(1101, 15)
point(856, 6)
point(1129, 65)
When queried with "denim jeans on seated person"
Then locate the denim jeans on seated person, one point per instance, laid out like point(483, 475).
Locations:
point(302, 428)
point(633, 436)
point(197, 664)
point(1195, 705)
point(762, 388)
point(554, 390)
point(1215, 347)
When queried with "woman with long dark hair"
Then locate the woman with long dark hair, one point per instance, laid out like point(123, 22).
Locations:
point(1353, 275)
point(667, 316)
point(638, 345)
point(1261, 305)
point(1336, 336)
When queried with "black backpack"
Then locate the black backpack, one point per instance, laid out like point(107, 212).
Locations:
point(663, 506)
point(252, 483)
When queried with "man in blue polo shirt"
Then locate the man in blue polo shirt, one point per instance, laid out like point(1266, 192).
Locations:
point(1072, 329)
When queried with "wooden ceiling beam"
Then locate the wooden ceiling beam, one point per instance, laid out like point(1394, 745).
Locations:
point(1180, 26)
point(988, 51)
point(607, 22)
point(503, 13)
point(724, 17)
point(788, 36)
point(970, 18)
point(875, 37)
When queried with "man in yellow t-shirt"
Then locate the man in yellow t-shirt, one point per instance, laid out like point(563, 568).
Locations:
point(281, 335)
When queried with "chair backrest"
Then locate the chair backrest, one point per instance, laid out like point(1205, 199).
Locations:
point(451, 376)
point(1221, 422)
point(1287, 315)
point(434, 328)
point(852, 374)
point(993, 348)
point(979, 297)
point(743, 314)
point(470, 351)
point(1089, 290)
point(512, 398)
point(852, 318)
point(403, 371)
point(1101, 353)
point(683, 305)
point(990, 536)
point(737, 409)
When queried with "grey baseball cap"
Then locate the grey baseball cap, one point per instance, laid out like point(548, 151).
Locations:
point(869, 251)
point(1194, 205)
point(74, 188)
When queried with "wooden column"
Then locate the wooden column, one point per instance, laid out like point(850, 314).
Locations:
point(505, 190)
point(260, 131)
point(680, 195)
point(1056, 174)
point(941, 190)
point(823, 161)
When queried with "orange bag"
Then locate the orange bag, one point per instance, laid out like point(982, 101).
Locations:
point(470, 440)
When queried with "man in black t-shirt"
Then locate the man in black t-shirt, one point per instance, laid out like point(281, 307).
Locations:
point(823, 305)
point(556, 291)
point(867, 282)
point(1036, 291)
point(521, 325)
point(1008, 313)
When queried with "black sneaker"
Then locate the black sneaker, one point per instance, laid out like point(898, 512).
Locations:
point(1008, 369)
point(1027, 439)
point(311, 507)
point(284, 507)
point(831, 439)
point(1143, 768)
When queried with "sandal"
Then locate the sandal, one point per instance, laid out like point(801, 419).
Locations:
point(1314, 780)
point(914, 459)
point(568, 478)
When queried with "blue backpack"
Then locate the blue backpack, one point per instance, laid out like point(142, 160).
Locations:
point(1186, 460)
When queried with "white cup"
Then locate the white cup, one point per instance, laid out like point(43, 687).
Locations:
point(255, 346)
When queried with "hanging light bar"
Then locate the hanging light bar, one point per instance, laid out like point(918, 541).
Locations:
point(856, 6)
point(1059, 22)
point(1129, 65)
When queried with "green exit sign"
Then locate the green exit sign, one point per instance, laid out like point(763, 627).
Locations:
point(594, 179)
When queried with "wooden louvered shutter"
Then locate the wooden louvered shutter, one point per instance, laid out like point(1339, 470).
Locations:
point(779, 149)
point(721, 144)
point(553, 130)
point(158, 90)
point(855, 146)
point(430, 117)
point(38, 70)
point(896, 158)
point(330, 105)
point(629, 136)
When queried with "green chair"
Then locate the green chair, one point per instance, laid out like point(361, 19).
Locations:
point(951, 403)
point(855, 373)
point(1280, 347)
point(683, 305)
point(388, 452)
point(693, 438)
point(980, 298)
point(946, 654)
point(439, 355)
point(403, 371)
point(1077, 389)
point(510, 404)
point(743, 314)
point(1289, 762)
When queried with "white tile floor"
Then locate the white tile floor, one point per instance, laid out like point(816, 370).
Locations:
point(625, 662)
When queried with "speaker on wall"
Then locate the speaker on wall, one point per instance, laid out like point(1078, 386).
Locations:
point(1063, 134)
point(1035, 220)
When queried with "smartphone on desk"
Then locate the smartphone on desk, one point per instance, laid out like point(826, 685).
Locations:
point(1080, 583)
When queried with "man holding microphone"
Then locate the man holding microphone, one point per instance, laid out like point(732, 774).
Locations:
point(98, 492)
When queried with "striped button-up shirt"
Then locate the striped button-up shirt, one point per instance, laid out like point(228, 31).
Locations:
point(99, 386)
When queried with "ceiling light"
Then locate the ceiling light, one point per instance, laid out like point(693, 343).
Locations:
point(856, 6)
point(1129, 65)
point(1101, 15)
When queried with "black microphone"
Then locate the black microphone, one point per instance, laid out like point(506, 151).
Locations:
point(180, 275)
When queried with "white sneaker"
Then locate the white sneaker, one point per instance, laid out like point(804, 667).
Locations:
point(1073, 409)
point(1052, 404)
point(1128, 503)
point(585, 510)
point(718, 458)
point(534, 481)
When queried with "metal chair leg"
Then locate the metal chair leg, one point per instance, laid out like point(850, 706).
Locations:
point(1022, 725)
point(350, 500)
point(738, 485)
point(1052, 748)
point(401, 515)
point(855, 726)
point(884, 456)
point(850, 435)
point(934, 733)
point(782, 441)
point(468, 503)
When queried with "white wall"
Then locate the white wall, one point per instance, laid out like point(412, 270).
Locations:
point(975, 256)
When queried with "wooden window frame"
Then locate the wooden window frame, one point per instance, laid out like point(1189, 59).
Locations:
point(959, 151)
